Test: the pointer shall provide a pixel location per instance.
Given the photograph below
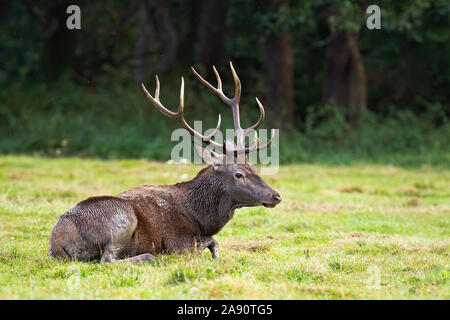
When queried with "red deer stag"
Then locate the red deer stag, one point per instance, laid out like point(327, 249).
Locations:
point(147, 220)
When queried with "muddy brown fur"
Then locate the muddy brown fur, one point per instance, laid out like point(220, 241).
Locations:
point(147, 220)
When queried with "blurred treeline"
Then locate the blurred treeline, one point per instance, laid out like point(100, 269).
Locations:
point(339, 91)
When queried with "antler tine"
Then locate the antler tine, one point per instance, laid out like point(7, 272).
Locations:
point(156, 101)
point(255, 146)
point(260, 120)
point(219, 81)
point(268, 143)
point(185, 125)
point(237, 85)
point(157, 88)
point(234, 102)
point(218, 91)
point(179, 115)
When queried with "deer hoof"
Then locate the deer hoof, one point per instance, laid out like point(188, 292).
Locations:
point(215, 253)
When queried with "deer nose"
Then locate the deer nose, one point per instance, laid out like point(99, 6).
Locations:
point(276, 196)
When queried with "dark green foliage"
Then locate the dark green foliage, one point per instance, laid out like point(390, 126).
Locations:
point(86, 101)
point(71, 121)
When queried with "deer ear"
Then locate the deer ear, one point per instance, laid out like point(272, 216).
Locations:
point(209, 156)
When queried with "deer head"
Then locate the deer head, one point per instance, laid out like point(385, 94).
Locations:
point(231, 169)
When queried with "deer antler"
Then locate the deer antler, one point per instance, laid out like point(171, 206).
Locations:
point(234, 104)
point(179, 115)
point(228, 146)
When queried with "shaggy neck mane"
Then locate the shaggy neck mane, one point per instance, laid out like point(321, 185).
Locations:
point(207, 203)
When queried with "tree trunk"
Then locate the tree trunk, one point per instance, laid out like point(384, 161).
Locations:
point(211, 29)
point(165, 32)
point(279, 101)
point(344, 76)
point(142, 44)
point(4, 6)
point(59, 48)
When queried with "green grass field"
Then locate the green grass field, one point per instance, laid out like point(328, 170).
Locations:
point(349, 232)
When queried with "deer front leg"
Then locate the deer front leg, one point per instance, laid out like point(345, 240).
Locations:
point(208, 242)
point(110, 250)
point(214, 248)
point(145, 257)
point(212, 245)
point(110, 256)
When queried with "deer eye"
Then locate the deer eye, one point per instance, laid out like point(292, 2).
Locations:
point(238, 175)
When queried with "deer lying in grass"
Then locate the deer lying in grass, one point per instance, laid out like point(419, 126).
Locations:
point(143, 221)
